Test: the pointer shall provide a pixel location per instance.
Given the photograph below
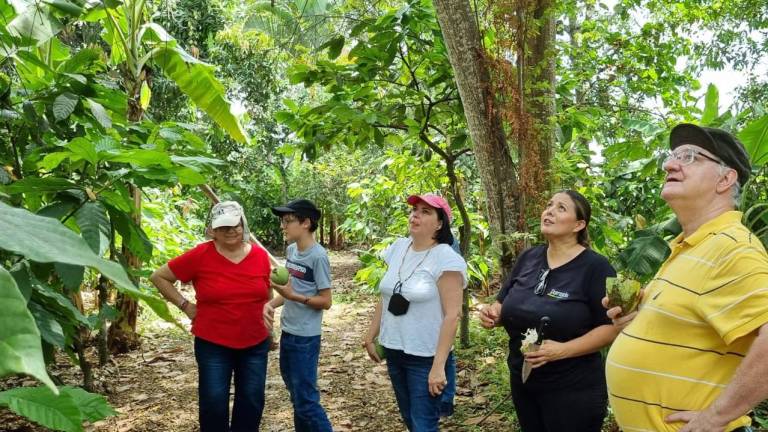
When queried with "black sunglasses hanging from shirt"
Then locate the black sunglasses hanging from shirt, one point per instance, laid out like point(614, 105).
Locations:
point(541, 286)
point(398, 304)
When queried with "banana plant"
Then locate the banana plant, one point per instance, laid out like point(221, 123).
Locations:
point(137, 44)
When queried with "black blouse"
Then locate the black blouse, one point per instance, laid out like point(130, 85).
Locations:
point(571, 298)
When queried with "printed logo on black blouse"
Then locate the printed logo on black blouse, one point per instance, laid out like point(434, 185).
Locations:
point(300, 271)
point(558, 294)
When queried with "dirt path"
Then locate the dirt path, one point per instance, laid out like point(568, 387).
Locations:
point(155, 389)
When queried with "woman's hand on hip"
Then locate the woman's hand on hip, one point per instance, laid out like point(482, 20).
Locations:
point(548, 352)
point(489, 315)
point(437, 381)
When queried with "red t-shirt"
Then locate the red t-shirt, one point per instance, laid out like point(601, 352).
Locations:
point(230, 296)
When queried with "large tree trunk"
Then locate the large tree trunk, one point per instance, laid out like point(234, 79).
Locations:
point(498, 173)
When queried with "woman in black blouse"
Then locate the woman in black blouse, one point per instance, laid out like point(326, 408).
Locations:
point(565, 281)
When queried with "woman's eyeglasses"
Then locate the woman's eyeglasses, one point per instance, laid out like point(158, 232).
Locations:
point(541, 286)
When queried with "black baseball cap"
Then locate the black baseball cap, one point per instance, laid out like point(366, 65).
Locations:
point(299, 207)
point(718, 142)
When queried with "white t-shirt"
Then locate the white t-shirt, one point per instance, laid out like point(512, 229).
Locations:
point(417, 331)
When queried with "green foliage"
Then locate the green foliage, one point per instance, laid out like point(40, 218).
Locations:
point(20, 349)
point(76, 141)
point(377, 213)
point(31, 236)
point(371, 215)
point(174, 221)
point(754, 204)
point(65, 411)
point(290, 25)
point(196, 79)
point(755, 139)
point(485, 362)
point(760, 414)
point(393, 85)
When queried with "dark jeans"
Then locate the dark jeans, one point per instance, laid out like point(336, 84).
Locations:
point(298, 366)
point(557, 409)
point(216, 364)
point(410, 375)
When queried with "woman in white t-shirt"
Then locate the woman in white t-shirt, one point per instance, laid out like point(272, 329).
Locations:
point(419, 311)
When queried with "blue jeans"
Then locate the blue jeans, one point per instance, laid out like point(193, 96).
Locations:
point(410, 375)
point(298, 366)
point(216, 364)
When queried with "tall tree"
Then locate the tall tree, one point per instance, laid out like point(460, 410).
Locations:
point(499, 115)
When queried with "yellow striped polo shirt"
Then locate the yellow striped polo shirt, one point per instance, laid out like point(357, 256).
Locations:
point(695, 325)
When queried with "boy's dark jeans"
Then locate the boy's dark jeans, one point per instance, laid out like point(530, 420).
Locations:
point(216, 365)
point(298, 366)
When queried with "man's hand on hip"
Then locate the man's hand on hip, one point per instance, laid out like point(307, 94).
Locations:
point(698, 421)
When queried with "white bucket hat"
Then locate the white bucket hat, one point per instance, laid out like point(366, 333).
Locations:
point(229, 213)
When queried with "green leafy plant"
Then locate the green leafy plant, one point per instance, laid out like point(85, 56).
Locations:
point(65, 410)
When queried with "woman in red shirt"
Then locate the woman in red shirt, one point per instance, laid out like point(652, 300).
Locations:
point(231, 281)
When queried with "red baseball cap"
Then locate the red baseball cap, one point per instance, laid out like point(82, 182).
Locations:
point(433, 200)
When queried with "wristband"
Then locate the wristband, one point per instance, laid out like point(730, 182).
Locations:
point(183, 304)
point(306, 300)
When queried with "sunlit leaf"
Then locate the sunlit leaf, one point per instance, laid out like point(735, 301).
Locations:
point(34, 24)
point(711, 102)
point(197, 81)
point(755, 139)
point(145, 96)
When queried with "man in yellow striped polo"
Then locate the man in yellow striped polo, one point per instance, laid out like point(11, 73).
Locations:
point(695, 355)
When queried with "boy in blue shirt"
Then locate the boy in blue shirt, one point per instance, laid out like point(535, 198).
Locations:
point(304, 297)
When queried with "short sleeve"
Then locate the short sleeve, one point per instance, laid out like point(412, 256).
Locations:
point(185, 265)
point(521, 261)
point(392, 249)
point(448, 260)
point(738, 305)
point(322, 270)
point(595, 290)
